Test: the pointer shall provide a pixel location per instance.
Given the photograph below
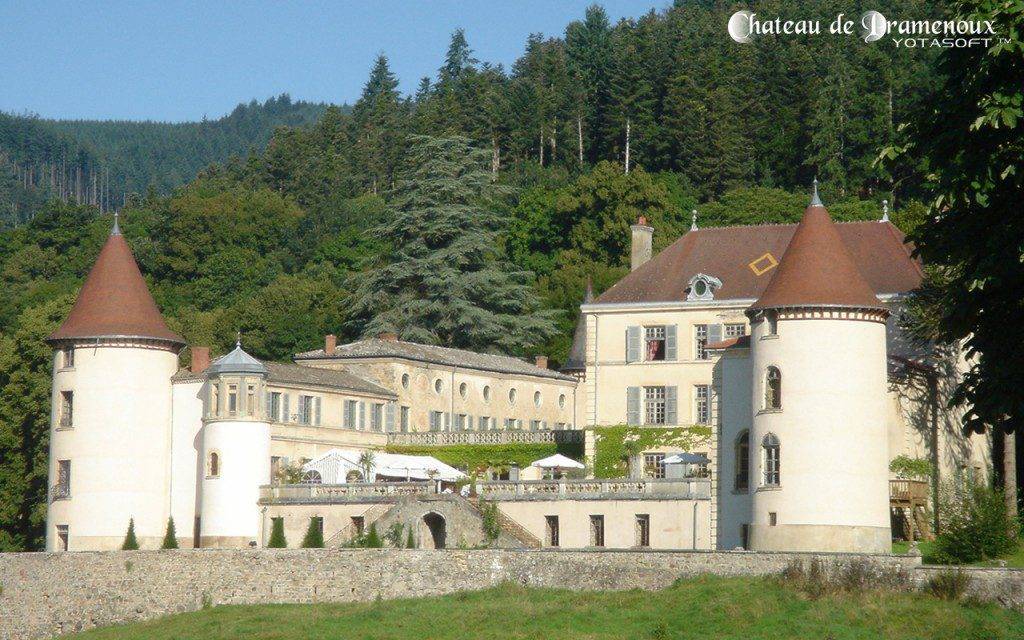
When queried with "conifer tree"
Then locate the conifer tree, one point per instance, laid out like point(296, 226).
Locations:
point(373, 540)
point(277, 539)
point(410, 541)
point(314, 538)
point(379, 123)
point(170, 537)
point(444, 281)
point(130, 542)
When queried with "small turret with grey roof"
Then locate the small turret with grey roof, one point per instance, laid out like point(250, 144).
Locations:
point(237, 361)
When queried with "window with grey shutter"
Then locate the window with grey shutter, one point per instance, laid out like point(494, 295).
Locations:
point(633, 344)
point(389, 417)
point(671, 405)
point(633, 405)
point(714, 333)
point(671, 348)
point(316, 411)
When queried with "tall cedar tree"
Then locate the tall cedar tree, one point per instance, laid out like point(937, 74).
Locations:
point(974, 147)
point(444, 281)
point(170, 537)
point(131, 543)
point(277, 539)
point(314, 538)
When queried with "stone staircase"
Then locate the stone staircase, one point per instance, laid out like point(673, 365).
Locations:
point(510, 526)
point(348, 532)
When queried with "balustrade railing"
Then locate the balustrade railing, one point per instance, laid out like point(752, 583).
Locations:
point(908, 491)
point(696, 488)
point(341, 492)
point(445, 438)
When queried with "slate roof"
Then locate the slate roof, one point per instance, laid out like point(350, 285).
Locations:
point(745, 258)
point(281, 373)
point(114, 302)
point(377, 348)
point(238, 361)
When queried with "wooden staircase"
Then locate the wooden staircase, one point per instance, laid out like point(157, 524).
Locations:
point(908, 507)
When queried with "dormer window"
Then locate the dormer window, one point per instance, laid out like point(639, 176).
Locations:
point(703, 287)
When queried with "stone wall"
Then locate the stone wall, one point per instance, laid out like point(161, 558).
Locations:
point(46, 594)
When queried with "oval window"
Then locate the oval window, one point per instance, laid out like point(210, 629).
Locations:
point(463, 389)
point(487, 393)
point(438, 385)
point(405, 380)
point(536, 398)
point(512, 396)
point(561, 400)
point(700, 287)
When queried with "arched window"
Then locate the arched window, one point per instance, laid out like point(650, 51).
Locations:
point(770, 460)
point(213, 465)
point(312, 477)
point(742, 461)
point(773, 388)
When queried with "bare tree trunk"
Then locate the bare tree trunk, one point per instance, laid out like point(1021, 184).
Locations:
point(495, 157)
point(541, 145)
point(1010, 472)
point(579, 137)
point(627, 145)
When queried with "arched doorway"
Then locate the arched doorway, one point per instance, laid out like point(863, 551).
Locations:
point(436, 525)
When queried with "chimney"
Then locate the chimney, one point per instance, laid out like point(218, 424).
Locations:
point(330, 344)
point(542, 362)
point(640, 250)
point(388, 337)
point(200, 359)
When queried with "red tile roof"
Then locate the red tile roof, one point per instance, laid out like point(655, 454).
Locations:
point(746, 258)
point(114, 301)
point(817, 269)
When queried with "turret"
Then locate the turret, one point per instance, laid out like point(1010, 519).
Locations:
point(819, 454)
point(111, 410)
point(235, 450)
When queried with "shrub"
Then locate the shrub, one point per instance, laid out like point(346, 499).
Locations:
point(170, 537)
point(410, 540)
point(949, 585)
point(491, 525)
point(130, 543)
point(855, 576)
point(393, 536)
point(909, 468)
point(277, 539)
point(975, 525)
point(373, 540)
point(314, 538)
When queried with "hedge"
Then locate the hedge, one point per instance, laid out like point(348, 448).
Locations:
point(615, 444)
point(477, 457)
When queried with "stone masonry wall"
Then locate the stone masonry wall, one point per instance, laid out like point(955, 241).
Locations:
point(46, 594)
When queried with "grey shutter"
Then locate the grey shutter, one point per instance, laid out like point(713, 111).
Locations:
point(270, 407)
point(632, 344)
point(447, 420)
point(362, 416)
point(316, 411)
point(671, 343)
point(389, 417)
point(671, 405)
point(287, 414)
point(714, 333)
point(346, 414)
point(632, 405)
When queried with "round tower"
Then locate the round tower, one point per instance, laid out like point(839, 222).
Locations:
point(819, 453)
point(235, 451)
point(111, 411)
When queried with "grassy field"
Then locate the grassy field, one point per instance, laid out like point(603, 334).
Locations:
point(720, 608)
point(1015, 559)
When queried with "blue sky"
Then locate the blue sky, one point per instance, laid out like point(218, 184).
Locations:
point(176, 60)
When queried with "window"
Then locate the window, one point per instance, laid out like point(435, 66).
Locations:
point(654, 465)
point(773, 388)
point(62, 490)
point(463, 390)
point(701, 404)
point(773, 518)
point(742, 462)
point(460, 422)
point(377, 417)
point(700, 341)
point(551, 527)
point(67, 357)
point(535, 425)
point(438, 386)
point(63, 536)
point(654, 405)
point(561, 401)
point(597, 531)
point(358, 523)
point(67, 406)
point(770, 460)
point(312, 477)
point(232, 399)
point(510, 423)
point(214, 399)
point(305, 409)
point(643, 530)
point(250, 399)
point(485, 423)
point(487, 393)
point(275, 406)
point(772, 326)
point(536, 398)
point(436, 418)
point(404, 419)
point(349, 416)
point(275, 467)
point(405, 380)
point(735, 329)
point(654, 343)
point(362, 416)
point(213, 465)
point(512, 396)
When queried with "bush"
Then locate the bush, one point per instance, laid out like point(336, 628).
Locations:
point(393, 536)
point(949, 585)
point(854, 576)
point(975, 525)
point(130, 543)
point(277, 539)
point(410, 540)
point(373, 540)
point(170, 537)
point(314, 538)
point(491, 525)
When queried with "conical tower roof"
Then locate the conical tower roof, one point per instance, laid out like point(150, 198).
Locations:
point(114, 302)
point(816, 269)
point(577, 360)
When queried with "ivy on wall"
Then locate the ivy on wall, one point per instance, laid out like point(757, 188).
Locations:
point(614, 445)
point(477, 457)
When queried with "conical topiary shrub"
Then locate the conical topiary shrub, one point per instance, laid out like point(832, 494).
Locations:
point(130, 543)
point(410, 541)
point(171, 537)
point(314, 538)
point(373, 540)
point(277, 539)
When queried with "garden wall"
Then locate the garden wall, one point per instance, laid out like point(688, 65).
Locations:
point(45, 594)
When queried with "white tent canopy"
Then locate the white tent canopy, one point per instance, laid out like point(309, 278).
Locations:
point(684, 457)
point(557, 461)
point(335, 465)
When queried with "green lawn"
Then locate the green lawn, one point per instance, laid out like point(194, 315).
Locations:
point(720, 608)
point(1015, 559)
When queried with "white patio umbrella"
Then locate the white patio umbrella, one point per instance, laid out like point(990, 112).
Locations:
point(557, 461)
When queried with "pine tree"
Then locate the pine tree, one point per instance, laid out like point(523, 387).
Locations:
point(314, 538)
point(444, 281)
point(277, 539)
point(378, 117)
point(588, 50)
point(170, 537)
point(373, 540)
point(130, 543)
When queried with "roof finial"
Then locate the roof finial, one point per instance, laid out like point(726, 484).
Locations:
point(885, 211)
point(116, 231)
point(238, 339)
point(815, 200)
point(693, 220)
